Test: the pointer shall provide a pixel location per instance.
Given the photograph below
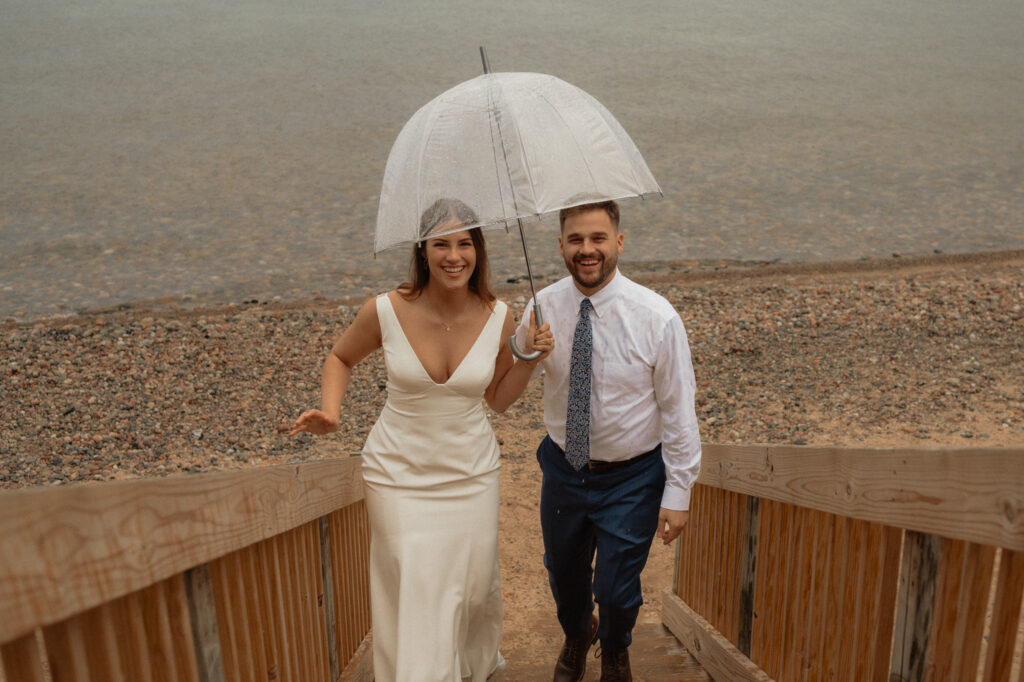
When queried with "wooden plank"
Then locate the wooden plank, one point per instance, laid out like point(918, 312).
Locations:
point(327, 575)
point(973, 494)
point(360, 666)
point(972, 602)
point(287, 598)
point(758, 638)
point(716, 555)
point(261, 626)
point(764, 636)
point(886, 592)
point(915, 605)
point(1005, 617)
point(103, 644)
point(131, 626)
point(226, 582)
point(316, 603)
point(814, 616)
point(734, 556)
point(678, 563)
point(716, 654)
point(270, 591)
point(822, 606)
point(786, 661)
point(175, 632)
point(835, 608)
point(22, 659)
point(748, 572)
point(714, 561)
point(350, 546)
point(310, 597)
point(66, 652)
point(853, 625)
point(701, 572)
point(804, 589)
point(64, 550)
point(944, 615)
point(203, 616)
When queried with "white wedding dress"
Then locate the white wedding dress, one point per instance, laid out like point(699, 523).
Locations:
point(430, 471)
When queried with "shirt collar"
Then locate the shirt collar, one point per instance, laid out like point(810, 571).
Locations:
point(602, 300)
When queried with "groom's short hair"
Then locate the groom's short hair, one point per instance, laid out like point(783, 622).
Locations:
point(609, 207)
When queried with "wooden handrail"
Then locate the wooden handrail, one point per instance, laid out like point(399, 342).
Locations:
point(812, 563)
point(973, 494)
point(64, 550)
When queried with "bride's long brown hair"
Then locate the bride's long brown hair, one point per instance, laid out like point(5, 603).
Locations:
point(441, 212)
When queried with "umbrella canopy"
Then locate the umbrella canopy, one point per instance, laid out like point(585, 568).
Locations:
point(511, 146)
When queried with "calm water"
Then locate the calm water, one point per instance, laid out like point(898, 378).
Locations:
point(230, 151)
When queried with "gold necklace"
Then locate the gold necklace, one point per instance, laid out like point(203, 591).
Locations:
point(447, 326)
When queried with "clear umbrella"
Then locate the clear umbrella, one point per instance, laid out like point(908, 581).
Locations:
point(511, 146)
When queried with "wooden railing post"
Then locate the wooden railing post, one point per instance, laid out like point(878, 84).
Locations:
point(328, 597)
point(748, 575)
point(203, 614)
point(915, 606)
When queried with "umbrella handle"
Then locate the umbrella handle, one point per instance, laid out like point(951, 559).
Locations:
point(515, 349)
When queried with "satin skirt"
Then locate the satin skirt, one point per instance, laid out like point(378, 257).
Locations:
point(435, 586)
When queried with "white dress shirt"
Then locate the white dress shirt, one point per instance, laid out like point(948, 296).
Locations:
point(642, 384)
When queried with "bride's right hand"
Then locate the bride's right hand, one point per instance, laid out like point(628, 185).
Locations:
point(314, 421)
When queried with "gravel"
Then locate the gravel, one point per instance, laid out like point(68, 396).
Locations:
point(918, 352)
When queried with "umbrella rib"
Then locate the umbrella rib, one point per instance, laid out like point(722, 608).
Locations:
point(497, 173)
point(529, 171)
point(572, 135)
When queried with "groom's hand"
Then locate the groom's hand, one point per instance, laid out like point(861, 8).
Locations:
point(671, 523)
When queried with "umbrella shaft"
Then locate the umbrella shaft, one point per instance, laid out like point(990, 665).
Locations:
point(529, 272)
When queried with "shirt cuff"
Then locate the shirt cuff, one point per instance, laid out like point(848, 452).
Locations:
point(677, 499)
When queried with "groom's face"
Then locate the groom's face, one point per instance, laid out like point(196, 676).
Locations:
point(590, 246)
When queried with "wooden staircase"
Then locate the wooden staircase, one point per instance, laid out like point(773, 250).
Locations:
point(656, 656)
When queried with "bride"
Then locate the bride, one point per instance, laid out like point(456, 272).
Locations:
point(430, 463)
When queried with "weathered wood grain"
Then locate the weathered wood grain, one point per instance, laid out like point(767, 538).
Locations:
point(65, 550)
point(360, 665)
point(716, 654)
point(972, 494)
point(203, 615)
point(23, 660)
point(915, 607)
point(1009, 589)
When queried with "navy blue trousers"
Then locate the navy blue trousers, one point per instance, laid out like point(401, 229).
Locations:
point(612, 515)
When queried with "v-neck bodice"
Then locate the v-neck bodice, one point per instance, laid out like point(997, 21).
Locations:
point(399, 331)
point(428, 431)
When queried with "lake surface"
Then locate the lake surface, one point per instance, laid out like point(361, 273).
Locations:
point(234, 151)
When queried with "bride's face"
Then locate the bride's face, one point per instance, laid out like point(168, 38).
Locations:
point(451, 258)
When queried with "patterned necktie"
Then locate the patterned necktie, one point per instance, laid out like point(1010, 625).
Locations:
point(577, 418)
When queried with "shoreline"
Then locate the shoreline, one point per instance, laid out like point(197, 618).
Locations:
point(646, 272)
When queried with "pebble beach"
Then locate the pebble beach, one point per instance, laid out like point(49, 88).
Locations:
point(909, 351)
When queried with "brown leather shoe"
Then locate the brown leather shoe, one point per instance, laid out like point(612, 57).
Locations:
point(572, 662)
point(615, 666)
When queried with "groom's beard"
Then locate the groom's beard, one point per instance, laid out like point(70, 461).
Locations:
point(605, 269)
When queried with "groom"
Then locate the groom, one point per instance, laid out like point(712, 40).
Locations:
point(622, 450)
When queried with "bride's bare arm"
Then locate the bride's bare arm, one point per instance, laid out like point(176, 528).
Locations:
point(361, 338)
point(511, 375)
